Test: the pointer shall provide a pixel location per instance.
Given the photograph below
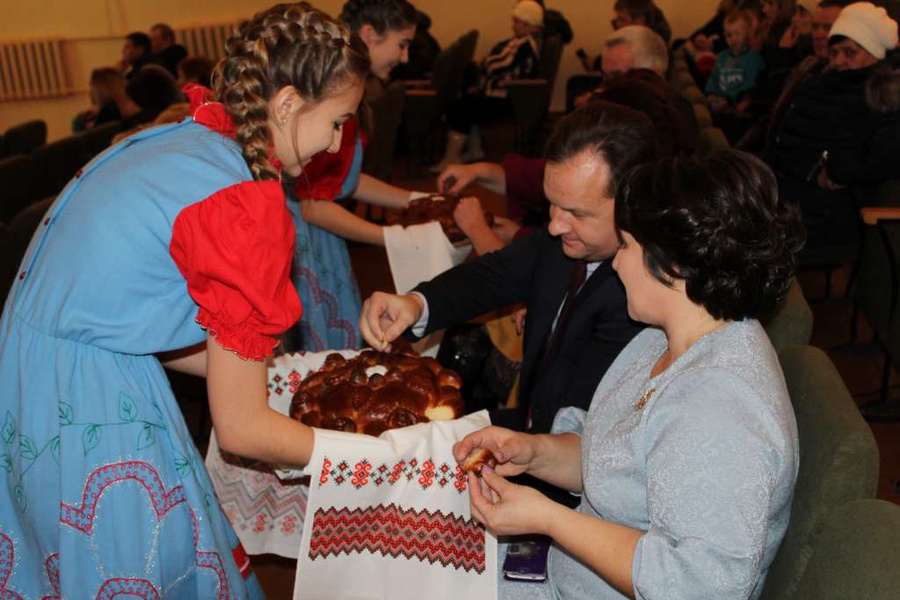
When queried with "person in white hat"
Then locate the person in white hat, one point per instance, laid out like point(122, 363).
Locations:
point(515, 58)
point(861, 36)
point(840, 128)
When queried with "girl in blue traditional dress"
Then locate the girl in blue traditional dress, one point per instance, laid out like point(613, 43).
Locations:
point(322, 270)
point(177, 237)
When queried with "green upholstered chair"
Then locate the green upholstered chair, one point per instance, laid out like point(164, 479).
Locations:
point(712, 139)
point(791, 323)
point(703, 116)
point(694, 95)
point(856, 554)
point(838, 461)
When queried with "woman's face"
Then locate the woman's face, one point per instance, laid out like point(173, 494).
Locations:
point(647, 296)
point(308, 129)
point(521, 28)
point(388, 50)
point(847, 55)
point(770, 9)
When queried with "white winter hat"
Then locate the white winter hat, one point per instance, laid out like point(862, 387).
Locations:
point(530, 12)
point(867, 25)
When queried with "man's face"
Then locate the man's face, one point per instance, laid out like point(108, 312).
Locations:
point(157, 42)
point(822, 21)
point(617, 60)
point(131, 52)
point(581, 211)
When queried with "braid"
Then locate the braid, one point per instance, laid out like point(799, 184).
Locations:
point(292, 45)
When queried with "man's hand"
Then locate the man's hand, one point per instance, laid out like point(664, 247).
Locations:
point(385, 316)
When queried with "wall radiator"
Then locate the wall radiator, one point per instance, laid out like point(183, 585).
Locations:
point(32, 70)
point(205, 40)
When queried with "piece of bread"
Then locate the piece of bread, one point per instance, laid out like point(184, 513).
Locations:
point(477, 460)
point(437, 207)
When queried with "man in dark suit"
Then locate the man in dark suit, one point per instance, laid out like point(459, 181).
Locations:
point(574, 329)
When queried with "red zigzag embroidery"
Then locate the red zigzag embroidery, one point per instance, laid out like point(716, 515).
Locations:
point(433, 537)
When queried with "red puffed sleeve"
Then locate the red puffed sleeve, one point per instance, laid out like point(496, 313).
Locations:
point(234, 249)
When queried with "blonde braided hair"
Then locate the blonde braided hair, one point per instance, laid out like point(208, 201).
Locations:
point(287, 45)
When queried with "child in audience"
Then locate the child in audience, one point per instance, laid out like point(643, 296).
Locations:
point(737, 68)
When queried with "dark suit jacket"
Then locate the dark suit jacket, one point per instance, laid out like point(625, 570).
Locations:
point(535, 270)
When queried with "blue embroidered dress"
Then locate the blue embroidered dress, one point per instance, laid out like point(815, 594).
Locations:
point(102, 492)
point(322, 272)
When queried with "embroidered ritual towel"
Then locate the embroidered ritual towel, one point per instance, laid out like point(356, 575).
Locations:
point(388, 517)
point(266, 510)
point(418, 253)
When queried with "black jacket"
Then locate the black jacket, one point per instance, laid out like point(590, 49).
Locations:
point(534, 270)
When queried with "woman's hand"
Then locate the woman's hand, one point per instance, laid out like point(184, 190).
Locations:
point(506, 508)
point(514, 451)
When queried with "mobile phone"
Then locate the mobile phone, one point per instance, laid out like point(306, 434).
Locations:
point(526, 560)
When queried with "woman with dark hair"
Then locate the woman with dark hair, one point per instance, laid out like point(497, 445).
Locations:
point(687, 458)
point(321, 271)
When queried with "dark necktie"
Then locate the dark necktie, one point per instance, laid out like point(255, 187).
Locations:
point(576, 280)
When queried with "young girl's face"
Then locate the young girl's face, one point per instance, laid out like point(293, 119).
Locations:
point(312, 128)
point(737, 35)
point(388, 50)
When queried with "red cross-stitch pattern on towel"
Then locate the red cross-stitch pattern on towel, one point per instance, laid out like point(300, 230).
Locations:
point(448, 540)
point(363, 473)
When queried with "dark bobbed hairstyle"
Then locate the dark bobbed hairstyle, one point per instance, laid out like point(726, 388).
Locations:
point(621, 136)
point(153, 89)
point(716, 223)
point(382, 15)
point(287, 45)
point(140, 39)
point(197, 68)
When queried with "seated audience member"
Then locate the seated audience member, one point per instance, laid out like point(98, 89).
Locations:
point(769, 104)
point(423, 51)
point(136, 52)
point(109, 100)
point(587, 155)
point(779, 49)
point(842, 127)
point(632, 12)
point(515, 58)
point(153, 90)
point(165, 51)
point(687, 459)
point(642, 12)
point(194, 69)
point(634, 70)
point(737, 68)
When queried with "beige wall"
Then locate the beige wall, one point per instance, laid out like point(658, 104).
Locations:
point(95, 29)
